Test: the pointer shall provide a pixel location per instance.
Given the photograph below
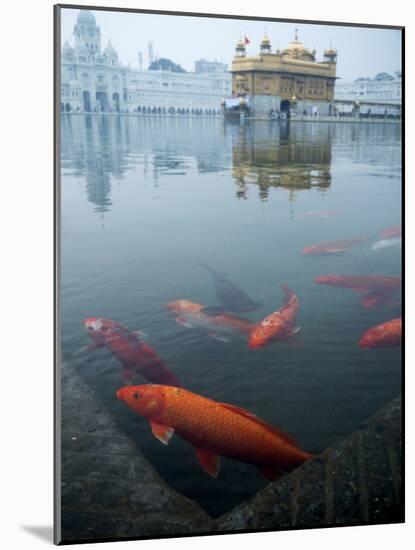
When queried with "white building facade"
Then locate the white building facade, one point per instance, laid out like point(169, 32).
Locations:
point(96, 81)
point(383, 88)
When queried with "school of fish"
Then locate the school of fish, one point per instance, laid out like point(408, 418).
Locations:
point(220, 429)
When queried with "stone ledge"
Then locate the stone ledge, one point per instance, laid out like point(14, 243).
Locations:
point(356, 482)
point(109, 490)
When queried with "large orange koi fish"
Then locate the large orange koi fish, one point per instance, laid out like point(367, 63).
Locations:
point(214, 429)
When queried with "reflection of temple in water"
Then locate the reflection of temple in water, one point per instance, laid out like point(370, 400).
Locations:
point(101, 149)
point(292, 157)
point(89, 148)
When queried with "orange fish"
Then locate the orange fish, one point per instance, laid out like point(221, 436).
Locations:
point(214, 429)
point(135, 356)
point(391, 232)
point(277, 326)
point(332, 247)
point(385, 335)
point(190, 315)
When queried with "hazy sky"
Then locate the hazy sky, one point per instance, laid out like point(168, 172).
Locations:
point(361, 51)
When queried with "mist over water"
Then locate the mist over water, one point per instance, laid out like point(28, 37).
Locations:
point(145, 199)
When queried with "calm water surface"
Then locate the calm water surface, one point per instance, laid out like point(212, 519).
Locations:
point(144, 200)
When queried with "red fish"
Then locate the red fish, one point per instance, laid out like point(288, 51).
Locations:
point(277, 326)
point(379, 290)
point(385, 335)
point(135, 356)
point(376, 298)
point(332, 247)
point(361, 283)
point(391, 232)
point(191, 315)
point(214, 429)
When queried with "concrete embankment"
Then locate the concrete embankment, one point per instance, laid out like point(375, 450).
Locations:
point(110, 491)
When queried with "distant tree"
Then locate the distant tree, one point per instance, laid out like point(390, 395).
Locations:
point(164, 64)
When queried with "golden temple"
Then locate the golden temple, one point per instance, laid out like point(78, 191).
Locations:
point(282, 80)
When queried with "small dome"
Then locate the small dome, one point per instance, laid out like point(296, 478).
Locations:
point(86, 17)
point(110, 51)
point(330, 52)
point(67, 50)
point(265, 45)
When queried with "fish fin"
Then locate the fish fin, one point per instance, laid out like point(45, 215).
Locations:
point(209, 461)
point(218, 337)
point(127, 375)
point(89, 347)
point(161, 431)
point(183, 322)
point(243, 412)
point(104, 370)
point(271, 473)
point(213, 311)
point(294, 331)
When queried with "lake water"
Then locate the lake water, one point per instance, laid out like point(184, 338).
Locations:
point(145, 199)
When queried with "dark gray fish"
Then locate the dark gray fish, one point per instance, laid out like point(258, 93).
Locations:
point(231, 297)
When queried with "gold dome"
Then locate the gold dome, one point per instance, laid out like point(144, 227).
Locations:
point(265, 40)
point(298, 50)
point(296, 47)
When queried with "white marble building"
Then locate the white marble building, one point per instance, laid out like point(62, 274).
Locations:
point(383, 88)
point(93, 80)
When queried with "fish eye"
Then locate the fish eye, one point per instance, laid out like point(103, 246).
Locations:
point(90, 327)
point(137, 394)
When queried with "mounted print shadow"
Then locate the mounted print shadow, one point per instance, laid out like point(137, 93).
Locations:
point(229, 291)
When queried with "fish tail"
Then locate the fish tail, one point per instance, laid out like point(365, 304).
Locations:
point(211, 270)
point(206, 267)
point(288, 293)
